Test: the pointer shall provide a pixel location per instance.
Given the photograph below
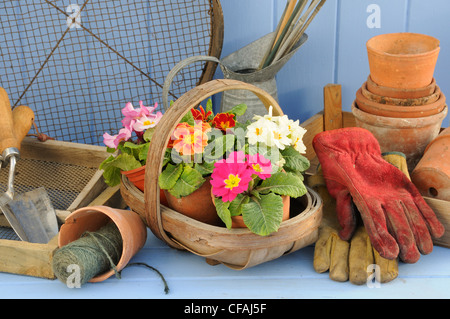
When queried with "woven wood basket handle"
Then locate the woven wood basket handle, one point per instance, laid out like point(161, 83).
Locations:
point(177, 68)
point(163, 134)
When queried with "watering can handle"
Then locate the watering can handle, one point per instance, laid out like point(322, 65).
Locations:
point(177, 68)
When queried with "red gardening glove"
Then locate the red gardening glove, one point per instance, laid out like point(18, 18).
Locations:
point(398, 220)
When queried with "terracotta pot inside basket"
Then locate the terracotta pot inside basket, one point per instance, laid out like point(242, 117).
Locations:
point(136, 176)
point(197, 205)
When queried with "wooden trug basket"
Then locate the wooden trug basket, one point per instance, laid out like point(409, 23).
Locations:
point(235, 248)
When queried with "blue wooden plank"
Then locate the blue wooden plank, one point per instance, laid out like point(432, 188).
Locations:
point(300, 82)
point(355, 28)
point(432, 18)
point(190, 277)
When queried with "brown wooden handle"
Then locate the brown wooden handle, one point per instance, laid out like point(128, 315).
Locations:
point(163, 132)
point(23, 118)
point(7, 138)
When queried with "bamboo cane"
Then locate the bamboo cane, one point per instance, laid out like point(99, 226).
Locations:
point(277, 31)
point(298, 35)
point(291, 21)
point(295, 31)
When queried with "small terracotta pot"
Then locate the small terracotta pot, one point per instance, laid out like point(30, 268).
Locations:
point(198, 205)
point(402, 60)
point(375, 108)
point(238, 221)
point(401, 102)
point(403, 93)
point(407, 135)
point(136, 176)
point(432, 174)
point(130, 225)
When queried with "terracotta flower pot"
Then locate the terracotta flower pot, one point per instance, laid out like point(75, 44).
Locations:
point(402, 60)
point(432, 174)
point(238, 221)
point(407, 135)
point(136, 176)
point(400, 93)
point(197, 205)
point(428, 99)
point(130, 225)
point(376, 108)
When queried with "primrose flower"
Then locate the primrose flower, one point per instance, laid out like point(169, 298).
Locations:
point(146, 122)
point(261, 166)
point(230, 179)
point(189, 140)
point(113, 141)
point(131, 115)
point(260, 131)
point(279, 137)
point(200, 115)
point(224, 121)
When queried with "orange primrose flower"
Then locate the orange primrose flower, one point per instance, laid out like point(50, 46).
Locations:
point(189, 140)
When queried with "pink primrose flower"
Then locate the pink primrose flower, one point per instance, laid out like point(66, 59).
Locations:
point(230, 179)
point(260, 165)
point(113, 141)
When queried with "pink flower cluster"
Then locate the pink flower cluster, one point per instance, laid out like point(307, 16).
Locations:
point(135, 120)
point(233, 175)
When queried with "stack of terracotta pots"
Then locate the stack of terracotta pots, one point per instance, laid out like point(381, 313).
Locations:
point(400, 103)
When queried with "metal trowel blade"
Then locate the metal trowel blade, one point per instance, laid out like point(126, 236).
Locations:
point(34, 216)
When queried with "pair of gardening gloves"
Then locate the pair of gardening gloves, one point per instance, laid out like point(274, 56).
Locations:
point(372, 212)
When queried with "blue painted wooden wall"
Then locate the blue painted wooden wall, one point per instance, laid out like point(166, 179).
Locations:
point(335, 51)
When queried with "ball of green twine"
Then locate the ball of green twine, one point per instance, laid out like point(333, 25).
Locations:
point(92, 254)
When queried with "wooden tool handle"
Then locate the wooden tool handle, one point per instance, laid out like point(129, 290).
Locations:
point(23, 118)
point(7, 138)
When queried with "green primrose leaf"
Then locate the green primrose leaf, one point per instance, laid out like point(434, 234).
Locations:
point(113, 165)
point(295, 161)
point(236, 204)
point(169, 176)
point(263, 216)
point(239, 109)
point(283, 184)
point(188, 182)
point(222, 211)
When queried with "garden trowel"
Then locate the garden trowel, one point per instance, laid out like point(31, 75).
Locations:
point(31, 214)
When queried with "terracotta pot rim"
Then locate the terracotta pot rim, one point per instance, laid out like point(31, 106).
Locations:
point(403, 102)
point(396, 92)
point(129, 247)
point(131, 171)
point(400, 123)
point(388, 108)
point(425, 54)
